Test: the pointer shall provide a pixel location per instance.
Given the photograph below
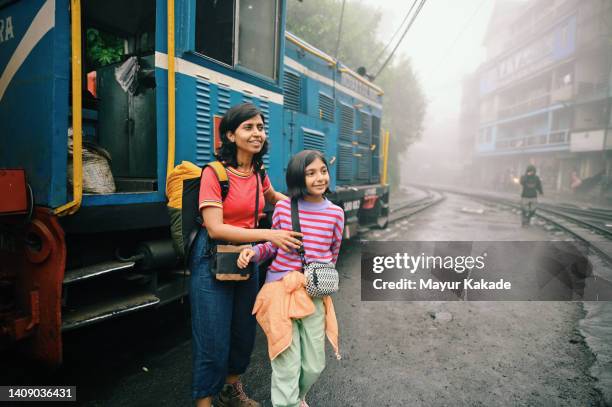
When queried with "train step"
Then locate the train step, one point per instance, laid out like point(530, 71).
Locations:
point(94, 270)
point(106, 310)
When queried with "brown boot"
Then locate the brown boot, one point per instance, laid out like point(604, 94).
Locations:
point(233, 395)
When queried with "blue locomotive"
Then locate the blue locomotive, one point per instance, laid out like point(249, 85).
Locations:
point(100, 100)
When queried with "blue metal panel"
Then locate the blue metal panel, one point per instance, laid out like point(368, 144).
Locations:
point(375, 154)
point(345, 163)
point(363, 163)
point(313, 140)
point(347, 122)
point(264, 106)
point(204, 126)
point(194, 121)
point(292, 88)
point(39, 89)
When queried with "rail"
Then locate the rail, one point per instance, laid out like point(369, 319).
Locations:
point(171, 90)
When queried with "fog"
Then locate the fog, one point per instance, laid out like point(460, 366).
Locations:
point(530, 90)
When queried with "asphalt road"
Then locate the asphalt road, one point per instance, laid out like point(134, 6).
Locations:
point(394, 353)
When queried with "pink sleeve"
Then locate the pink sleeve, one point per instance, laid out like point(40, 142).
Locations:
point(210, 190)
point(267, 250)
point(337, 239)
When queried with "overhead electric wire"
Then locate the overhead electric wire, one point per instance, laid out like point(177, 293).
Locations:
point(339, 31)
point(414, 16)
point(448, 51)
point(382, 52)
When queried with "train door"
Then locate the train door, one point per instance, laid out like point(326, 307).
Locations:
point(119, 89)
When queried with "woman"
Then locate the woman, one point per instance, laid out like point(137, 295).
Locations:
point(222, 324)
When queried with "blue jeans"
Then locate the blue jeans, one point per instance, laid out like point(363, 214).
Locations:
point(223, 327)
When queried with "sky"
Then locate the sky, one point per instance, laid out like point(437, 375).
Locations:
point(444, 44)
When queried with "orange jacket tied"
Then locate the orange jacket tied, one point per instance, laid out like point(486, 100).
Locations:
point(281, 301)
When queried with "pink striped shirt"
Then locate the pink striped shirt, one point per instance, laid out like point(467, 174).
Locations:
point(322, 224)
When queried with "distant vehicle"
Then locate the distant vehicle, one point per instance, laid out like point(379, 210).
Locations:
point(69, 257)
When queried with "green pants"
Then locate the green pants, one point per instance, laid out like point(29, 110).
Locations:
point(298, 367)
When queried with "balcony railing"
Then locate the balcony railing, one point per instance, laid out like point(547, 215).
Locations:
point(525, 106)
point(557, 137)
point(590, 91)
point(562, 94)
point(534, 26)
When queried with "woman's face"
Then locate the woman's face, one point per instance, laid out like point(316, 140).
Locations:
point(249, 136)
point(317, 177)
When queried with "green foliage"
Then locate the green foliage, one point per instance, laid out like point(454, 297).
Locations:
point(316, 21)
point(404, 108)
point(102, 48)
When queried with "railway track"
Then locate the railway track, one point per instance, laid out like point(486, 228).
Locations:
point(410, 207)
point(591, 225)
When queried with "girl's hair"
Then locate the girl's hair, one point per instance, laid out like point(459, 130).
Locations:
point(296, 172)
point(231, 120)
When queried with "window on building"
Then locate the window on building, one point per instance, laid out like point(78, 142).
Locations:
point(253, 45)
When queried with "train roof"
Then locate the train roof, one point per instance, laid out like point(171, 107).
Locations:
point(331, 62)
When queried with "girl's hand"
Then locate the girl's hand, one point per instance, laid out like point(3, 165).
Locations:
point(285, 239)
point(245, 258)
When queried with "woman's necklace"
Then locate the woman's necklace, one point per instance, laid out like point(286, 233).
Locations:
point(244, 169)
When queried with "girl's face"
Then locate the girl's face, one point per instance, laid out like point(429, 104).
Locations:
point(317, 178)
point(249, 136)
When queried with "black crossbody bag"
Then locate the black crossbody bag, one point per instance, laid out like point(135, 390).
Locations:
point(225, 255)
point(321, 278)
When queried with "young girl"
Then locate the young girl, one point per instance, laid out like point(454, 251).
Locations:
point(295, 323)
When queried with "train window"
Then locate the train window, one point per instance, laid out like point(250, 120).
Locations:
point(243, 33)
point(215, 30)
point(257, 36)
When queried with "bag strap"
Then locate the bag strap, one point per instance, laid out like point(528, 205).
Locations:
point(256, 220)
point(295, 225)
point(222, 177)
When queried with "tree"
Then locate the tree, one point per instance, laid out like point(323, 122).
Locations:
point(404, 108)
point(317, 21)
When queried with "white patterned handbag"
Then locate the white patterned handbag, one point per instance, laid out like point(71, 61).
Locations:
point(321, 278)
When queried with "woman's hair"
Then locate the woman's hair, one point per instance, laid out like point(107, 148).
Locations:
point(231, 120)
point(296, 172)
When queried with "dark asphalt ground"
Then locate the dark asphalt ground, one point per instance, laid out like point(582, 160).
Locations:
point(394, 353)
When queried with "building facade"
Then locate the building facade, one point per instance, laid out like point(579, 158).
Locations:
point(544, 95)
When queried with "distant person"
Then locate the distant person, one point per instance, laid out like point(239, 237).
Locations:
point(575, 181)
point(529, 197)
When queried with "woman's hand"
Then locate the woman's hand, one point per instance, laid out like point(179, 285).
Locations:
point(285, 239)
point(245, 258)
